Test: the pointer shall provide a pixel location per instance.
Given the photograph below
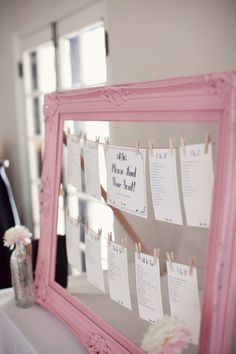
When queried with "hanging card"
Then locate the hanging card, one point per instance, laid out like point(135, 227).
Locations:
point(164, 185)
point(148, 287)
point(91, 170)
point(93, 259)
point(197, 183)
point(184, 297)
point(126, 179)
point(73, 250)
point(74, 161)
point(118, 275)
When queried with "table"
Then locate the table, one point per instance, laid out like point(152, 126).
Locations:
point(33, 330)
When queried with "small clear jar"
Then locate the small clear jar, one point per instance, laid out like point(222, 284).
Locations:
point(22, 275)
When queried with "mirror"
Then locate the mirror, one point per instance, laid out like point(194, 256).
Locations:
point(189, 108)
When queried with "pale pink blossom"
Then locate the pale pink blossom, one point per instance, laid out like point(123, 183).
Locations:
point(168, 336)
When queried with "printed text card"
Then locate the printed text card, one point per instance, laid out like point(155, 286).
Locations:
point(93, 260)
point(164, 185)
point(91, 170)
point(184, 297)
point(73, 243)
point(148, 287)
point(197, 183)
point(126, 179)
point(118, 275)
point(73, 161)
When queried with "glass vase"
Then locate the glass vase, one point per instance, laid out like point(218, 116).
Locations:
point(22, 275)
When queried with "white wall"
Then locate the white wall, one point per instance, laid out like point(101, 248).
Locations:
point(158, 39)
point(149, 39)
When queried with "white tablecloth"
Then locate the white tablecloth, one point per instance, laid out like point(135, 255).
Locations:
point(33, 330)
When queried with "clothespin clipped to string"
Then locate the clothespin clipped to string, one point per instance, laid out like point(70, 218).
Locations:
point(78, 221)
point(183, 145)
point(107, 143)
point(137, 146)
point(206, 143)
point(170, 260)
point(137, 250)
point(123, 244)
point(109, 239)
point(171, 145)
point(86, 227)
point(85, 138)
point(99, 234)
point(192, 264)
point(156, 254)
point(80, 136)
point(97, 140)
point(151, 146)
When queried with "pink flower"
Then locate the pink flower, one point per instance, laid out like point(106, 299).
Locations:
point(168, 336)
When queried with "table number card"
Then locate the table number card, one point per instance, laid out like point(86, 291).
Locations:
point(126, 179)
point(164, 185)
point(74, 161)
point(197, 183)
point(184, 297)
point(148, 286)
point(91, 170)
point(118, 275)
point(93, 260)
point(73, 243)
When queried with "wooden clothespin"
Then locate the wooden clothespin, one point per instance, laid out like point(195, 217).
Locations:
point(137, 250)
point(85, 138)
point(137, 146)
point(80, 136)
point(172, 256)
point(169, 258)
point(151, 146)
point(99, 234)
point(123, 244)
point(97, 140)
point(182, 144)
point(206, 143)
point(109, 239)
point(192, 264)
point(171, 145)
point(78, 221)
point(156, 254)
point(86, 227)
point(106, 143)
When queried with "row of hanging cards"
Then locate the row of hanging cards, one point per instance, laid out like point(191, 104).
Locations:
point(182, 280)
point(126, 179)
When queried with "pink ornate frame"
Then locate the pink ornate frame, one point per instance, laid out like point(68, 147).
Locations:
point(215, 97)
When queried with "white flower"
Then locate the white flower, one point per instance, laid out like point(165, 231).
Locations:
point(16, 233)
point(168, 336)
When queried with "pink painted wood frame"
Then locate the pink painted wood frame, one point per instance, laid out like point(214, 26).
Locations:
point(215, 97)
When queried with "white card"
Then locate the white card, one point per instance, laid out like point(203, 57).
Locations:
point(73, 161)
point(197, 183)
point(164, 185)
point(126, 179)
point(148, 287)
point(184, 297)
point(91, 170)
point(118, 275)
point(73, 250)
point(93, 260)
